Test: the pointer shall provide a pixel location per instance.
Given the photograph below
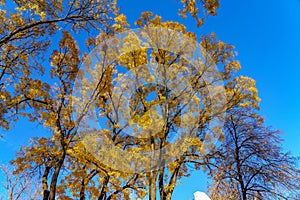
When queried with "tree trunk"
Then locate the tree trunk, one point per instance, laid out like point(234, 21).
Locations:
point(152, 186)
point(55, 177)
point(244, 194)
point(103, 192)
point(45, 183)
point(172, 182)
point(82, 190)
point(168, 196)
point(161, 184)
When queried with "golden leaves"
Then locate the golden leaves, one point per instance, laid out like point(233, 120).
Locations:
point(17, 19)
point(120, 23)
point(144, 120)
point(54, 106)
point(133, 58)
point(192, 7)
point(245, 92)
point(66, 59)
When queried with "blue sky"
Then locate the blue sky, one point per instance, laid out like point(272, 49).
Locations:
point(266, 36)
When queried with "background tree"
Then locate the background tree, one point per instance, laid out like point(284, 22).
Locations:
point(17, 187)
point(251, 164)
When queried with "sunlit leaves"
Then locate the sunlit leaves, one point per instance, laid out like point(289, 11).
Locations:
point(192, 7)
point(26, 28)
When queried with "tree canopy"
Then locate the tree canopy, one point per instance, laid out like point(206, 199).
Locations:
point(131, 112)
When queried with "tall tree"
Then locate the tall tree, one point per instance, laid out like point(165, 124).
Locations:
point(160, 109)
point(252, 164)
point(68, 168)
point(18, 186)
point(52, 106)
point(27, 29)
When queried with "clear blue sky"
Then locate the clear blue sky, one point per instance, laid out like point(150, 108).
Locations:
point(266, 35)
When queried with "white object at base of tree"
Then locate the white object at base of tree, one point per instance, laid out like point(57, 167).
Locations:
point(201, 196)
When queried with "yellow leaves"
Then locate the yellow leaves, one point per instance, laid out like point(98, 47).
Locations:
point(32, 6)
point(36, 8)
point(200, 22)
point(141, 193)
point(170, 187)
point(18, 19)
point(173, 166)
point(121, 23)
point(245, 104)
point(42, 14)
point(126, 194)
point(211, 6)
point(147, 18)
point(143, 20)
point(66, 59)
point(191, 35)
point(50, 119)
point(4, 95)
point(3, 19)
point(58, 4)
point(121, 19)
point(133, 58)
point(193, 8)
point(196, 142)
point(243, 92)
point(68, 41)
point(21, 8)
point(33, 92)
point(144, 120)
point(221, 136)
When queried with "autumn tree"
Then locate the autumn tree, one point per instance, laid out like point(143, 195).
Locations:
point(84, 176)
point(27, 29)
point(162, 93)
point(65, 162)
point(52, 107)
point(17, 187)
point(252, 164)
